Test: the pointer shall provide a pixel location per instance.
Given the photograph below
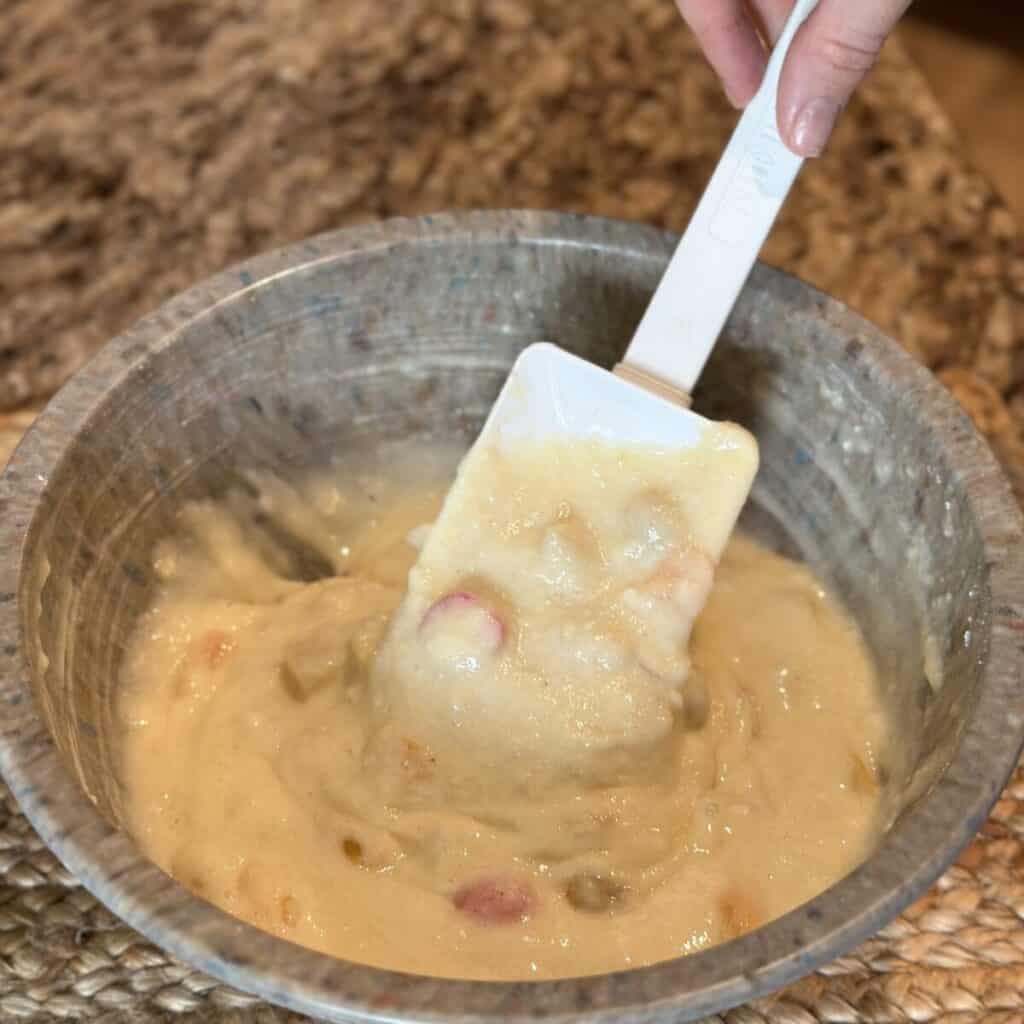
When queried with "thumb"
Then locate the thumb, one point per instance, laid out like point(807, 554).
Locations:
point(833, 51)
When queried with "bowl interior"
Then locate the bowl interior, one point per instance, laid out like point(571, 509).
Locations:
point(393, 343)
point(409, 332)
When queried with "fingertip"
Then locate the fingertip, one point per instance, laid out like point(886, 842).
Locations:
point(739, 94)
point(745, 79)
point(830, 55)
point(805, 116)
point(788, 97)
point(811, 127)
point(731, 45)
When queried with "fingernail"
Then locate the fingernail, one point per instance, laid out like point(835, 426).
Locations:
point(813, 125)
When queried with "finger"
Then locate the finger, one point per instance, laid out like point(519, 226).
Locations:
point(729, 41)
point(770, 16)
point(829, 57)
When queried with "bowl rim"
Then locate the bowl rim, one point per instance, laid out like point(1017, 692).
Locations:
point(908, 861)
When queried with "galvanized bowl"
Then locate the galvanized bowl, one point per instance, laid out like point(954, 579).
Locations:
point(870, 472)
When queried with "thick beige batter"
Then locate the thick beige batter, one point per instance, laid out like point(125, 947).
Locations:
point(547, 619)
point(272, 772)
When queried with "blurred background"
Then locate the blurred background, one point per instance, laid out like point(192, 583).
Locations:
point(150, 143)
point(973, 57)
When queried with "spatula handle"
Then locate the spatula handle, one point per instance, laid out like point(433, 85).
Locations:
point(721, 243)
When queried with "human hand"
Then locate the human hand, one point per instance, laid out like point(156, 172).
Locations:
point(832, 52)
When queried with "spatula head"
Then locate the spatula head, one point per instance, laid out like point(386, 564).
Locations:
point(547, 620)
point(551, 394)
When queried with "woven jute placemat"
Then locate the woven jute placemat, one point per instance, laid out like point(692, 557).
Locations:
point(955, 956)
point(148, 144)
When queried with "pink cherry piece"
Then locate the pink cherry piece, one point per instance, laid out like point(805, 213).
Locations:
point(495, 900)
point(463, 615)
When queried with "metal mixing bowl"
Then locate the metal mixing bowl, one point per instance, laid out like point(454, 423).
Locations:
point(870, 472)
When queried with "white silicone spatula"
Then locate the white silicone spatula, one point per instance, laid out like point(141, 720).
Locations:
point(644, 402)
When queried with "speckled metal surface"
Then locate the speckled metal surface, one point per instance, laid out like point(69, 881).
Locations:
point(870, 471)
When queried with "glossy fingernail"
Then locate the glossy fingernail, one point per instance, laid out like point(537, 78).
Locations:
point(813, 125)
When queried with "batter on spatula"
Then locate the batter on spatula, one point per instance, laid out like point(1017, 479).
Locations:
point(551, 611)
